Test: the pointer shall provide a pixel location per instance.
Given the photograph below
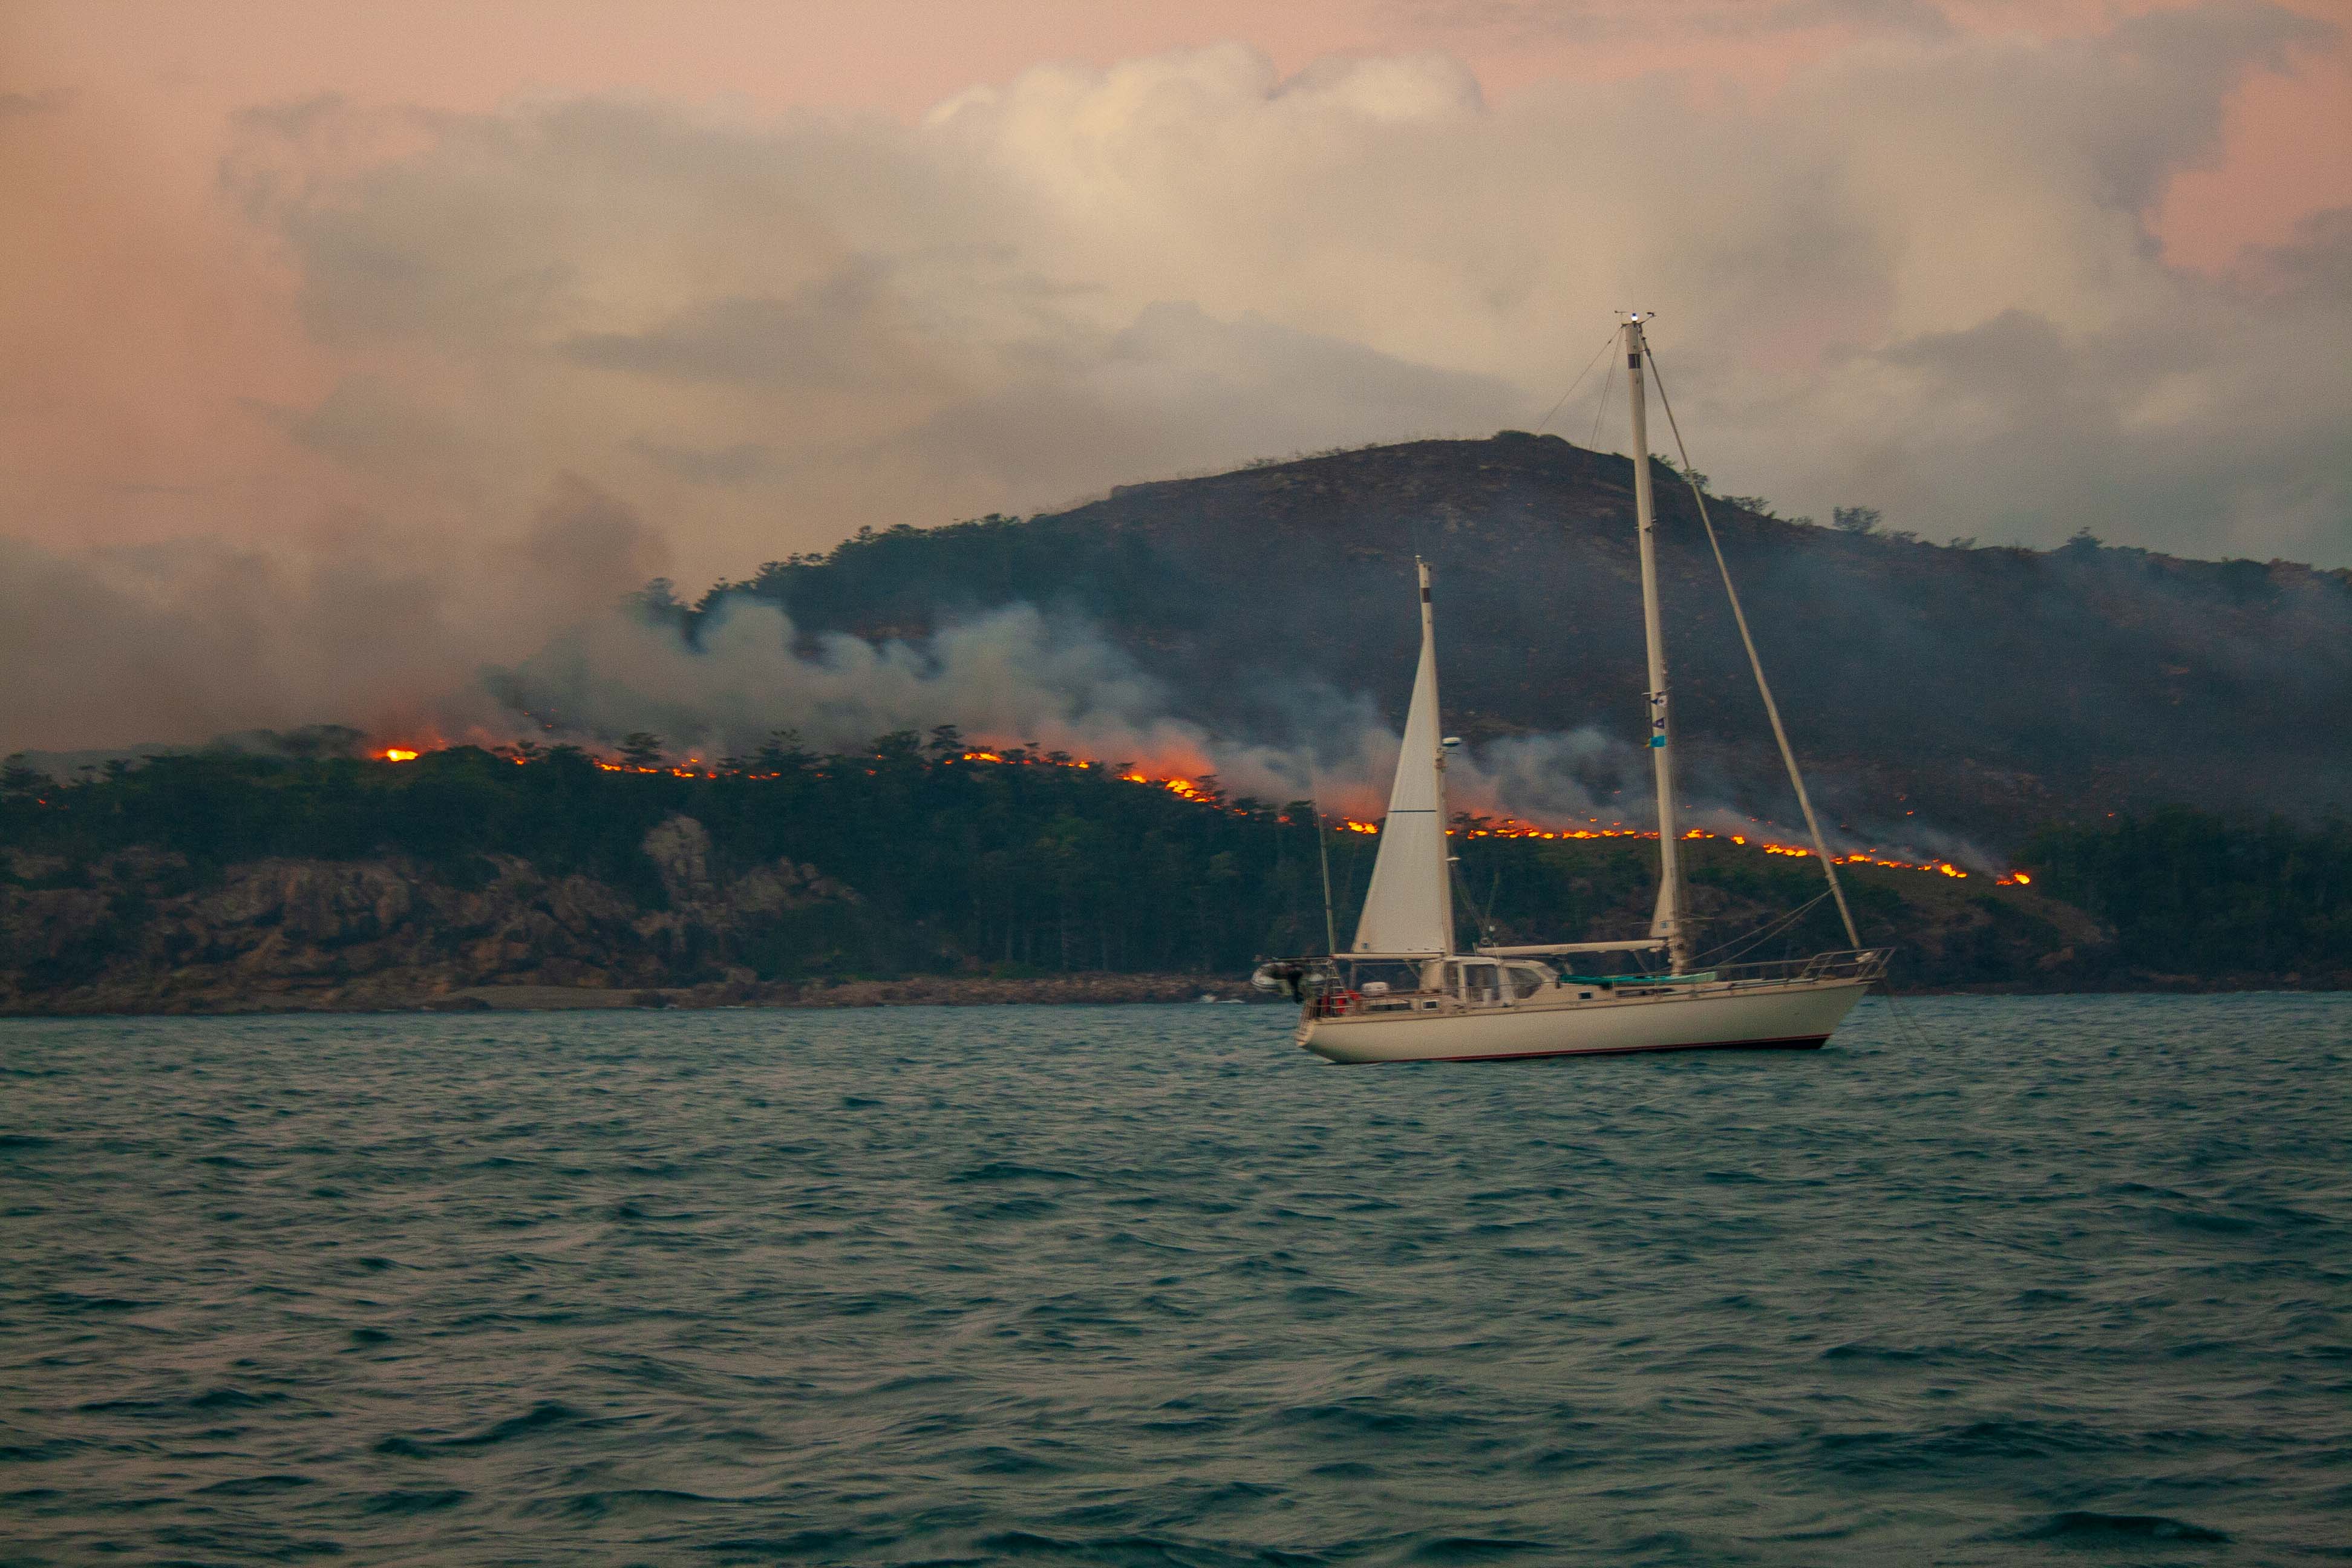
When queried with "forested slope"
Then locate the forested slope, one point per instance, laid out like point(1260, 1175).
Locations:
point(1990, 690)
point(216, 881)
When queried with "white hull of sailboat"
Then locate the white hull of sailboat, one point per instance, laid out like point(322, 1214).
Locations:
point(1793, 1017)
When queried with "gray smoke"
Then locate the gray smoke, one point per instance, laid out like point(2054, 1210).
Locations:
point(1014, 676)
point(364, 623)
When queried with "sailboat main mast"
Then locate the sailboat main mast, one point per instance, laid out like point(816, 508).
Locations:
point(1668, 923)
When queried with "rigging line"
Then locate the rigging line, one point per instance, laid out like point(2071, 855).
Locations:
point(1756, 663)
point(1600, 411)
point(1724, 952)
point(1323, 848)
point(1718, 954)
point(1576, 382)
point(1460, 884)
point(1904, 1029)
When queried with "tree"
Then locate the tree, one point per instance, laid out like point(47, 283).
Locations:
point(783, 753)
point(1857, 519)
point(657, 602)
point(1688, 476)
point(640, 749)
point(18, 782)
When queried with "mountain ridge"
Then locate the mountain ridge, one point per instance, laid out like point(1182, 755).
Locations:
point(1985, 688)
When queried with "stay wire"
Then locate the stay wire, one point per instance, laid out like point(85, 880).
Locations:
point(1724, 952)
point(1323, 851)
point(1904, 1026)
point(1601, 409)
point(1754, 661)
point(1576, 382)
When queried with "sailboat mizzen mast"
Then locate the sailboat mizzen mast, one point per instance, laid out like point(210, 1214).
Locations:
point(1667, 923)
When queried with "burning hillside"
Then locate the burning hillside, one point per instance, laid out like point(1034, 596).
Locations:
point(1206, 789)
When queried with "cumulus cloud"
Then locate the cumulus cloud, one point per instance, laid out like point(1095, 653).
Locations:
point(1915, 274)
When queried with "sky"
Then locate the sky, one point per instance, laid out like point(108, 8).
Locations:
point(345, 349)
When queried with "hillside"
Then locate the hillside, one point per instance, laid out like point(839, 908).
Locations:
point(1988, 690)
point(226, 882)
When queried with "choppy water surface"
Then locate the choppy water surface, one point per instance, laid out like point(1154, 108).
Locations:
point(1146, 1285)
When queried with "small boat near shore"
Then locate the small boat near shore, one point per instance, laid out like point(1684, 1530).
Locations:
point(1406, 991)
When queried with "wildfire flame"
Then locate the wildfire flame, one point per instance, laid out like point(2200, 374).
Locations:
point(1509, 828)
point(1188, 788)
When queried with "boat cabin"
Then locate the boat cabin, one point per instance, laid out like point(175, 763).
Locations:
point(1403, 985)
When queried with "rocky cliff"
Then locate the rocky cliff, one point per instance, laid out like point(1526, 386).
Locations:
point(130, 933)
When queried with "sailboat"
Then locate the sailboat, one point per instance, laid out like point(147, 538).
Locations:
point(1405, 992)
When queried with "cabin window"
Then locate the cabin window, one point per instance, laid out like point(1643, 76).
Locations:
point(1479, 985)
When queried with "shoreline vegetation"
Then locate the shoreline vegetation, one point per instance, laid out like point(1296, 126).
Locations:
point(925, 871)
point(944, 991)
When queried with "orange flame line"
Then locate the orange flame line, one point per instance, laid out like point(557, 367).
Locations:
point(1185, 788)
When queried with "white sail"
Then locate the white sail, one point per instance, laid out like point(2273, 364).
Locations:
point(1410, 906)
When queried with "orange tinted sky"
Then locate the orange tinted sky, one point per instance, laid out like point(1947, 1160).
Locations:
point(147, 320)
point(1898, 223)
point(168, 73)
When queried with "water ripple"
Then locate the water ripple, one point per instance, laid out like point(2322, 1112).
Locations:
point(1146, 1285)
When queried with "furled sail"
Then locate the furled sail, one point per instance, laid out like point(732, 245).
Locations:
point(1410, 906)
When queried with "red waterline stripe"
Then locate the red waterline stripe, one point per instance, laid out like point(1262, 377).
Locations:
point(1793, 1043)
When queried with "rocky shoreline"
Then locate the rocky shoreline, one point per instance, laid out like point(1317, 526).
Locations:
point(139, 932)
point(388, 994)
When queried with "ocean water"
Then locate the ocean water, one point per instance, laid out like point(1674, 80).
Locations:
point(2064, 1281)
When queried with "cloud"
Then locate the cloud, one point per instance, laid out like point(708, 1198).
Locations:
point(1614, 21)
point(833, 334)
point(19, 105)
point(364, 623)
point(1916, 273)
point(738, 463)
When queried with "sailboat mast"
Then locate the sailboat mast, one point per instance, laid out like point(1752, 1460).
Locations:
point(1667, 923)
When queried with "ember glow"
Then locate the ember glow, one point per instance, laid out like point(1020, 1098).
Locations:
point(1514, 829)
point(1189, 787)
